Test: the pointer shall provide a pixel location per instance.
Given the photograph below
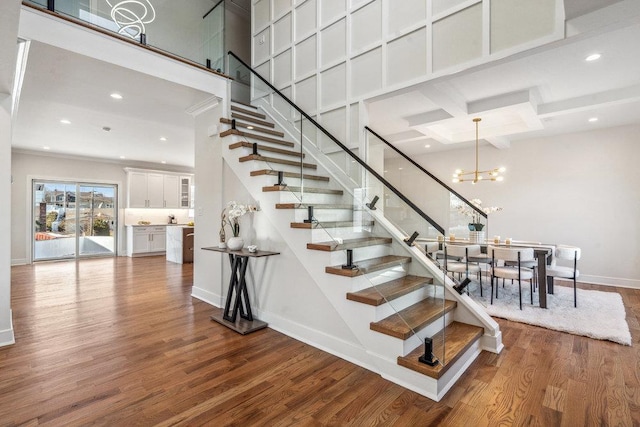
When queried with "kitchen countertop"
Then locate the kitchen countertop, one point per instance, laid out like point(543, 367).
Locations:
point(158, 225)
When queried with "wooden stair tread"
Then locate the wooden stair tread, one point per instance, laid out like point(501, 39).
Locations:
point(315, 206)
point(252, 113)
point(252, 120)
point(369, 265)
point(403, 324)
point(458, 338)
point(253, 127)
point(388, 291)
point(289, 175)
point(349, 244)
point(267, 159)
point(244, 144)
point(299, 189)
point(330, 224)
point(256, 136)
point(235, 101)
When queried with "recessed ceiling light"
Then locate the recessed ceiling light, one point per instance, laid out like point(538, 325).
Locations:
point(249, 127)
point(46, 148)
point(163, 162)
point(116, 96)
point(593, 119)
point(162, 138)
point(65, 122)
point(427, 146)
point(593, 57)
point(399, 169)
point(122, 157)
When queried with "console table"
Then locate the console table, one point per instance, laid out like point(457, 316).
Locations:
point(237, 295)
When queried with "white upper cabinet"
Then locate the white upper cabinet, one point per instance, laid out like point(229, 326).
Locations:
point(158, 190)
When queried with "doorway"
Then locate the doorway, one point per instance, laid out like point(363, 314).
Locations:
point(74, 220)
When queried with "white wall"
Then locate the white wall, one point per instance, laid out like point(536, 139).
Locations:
point(578, 189)
point(26, 166)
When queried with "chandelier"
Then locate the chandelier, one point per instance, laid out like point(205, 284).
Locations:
point(131, 15)
point(477, 175)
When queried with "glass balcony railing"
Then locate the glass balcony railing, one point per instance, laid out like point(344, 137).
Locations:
point(359, 206)
point(193, 31)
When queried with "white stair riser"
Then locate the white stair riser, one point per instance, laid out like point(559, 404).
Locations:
point(340, 257)
point(289, 196)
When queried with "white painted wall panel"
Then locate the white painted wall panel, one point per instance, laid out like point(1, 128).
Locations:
point(306, 53)
point(261, 14)
point(518, 21)
point(405, 13)
point(366, 73)
point(335, 121)
point(280, 7)
point(366, 26)
point(282, 106)
point(330, 10)
point(333, 43)
point(282, 33)
point(305, 19)
point(407, 57)
point(440, 6)
point(307, 94)
point(457, 38)
point(282, 69)
point(354, 126)
point(261, 46)
point(334, 85)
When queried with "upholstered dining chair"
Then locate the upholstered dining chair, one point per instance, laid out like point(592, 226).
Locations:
point(502, 255)
point(463, 266)
point(569, 253)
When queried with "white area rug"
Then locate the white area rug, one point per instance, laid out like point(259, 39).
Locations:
point(599, 315)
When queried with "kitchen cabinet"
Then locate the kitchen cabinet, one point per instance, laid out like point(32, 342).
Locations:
point(146, 240)
point(158, 190)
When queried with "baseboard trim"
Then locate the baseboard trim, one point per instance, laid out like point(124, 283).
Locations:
point(607, 281)
point(22, 261)
point(7, 336)
point(206, 296)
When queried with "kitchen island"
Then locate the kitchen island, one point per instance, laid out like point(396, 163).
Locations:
point(180, 244)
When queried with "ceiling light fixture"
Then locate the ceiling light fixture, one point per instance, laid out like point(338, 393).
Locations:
point(131, 15)
point(65, 122)
point(593, 119)
point(46, 148)
point(427, 146)
point(478, 175)
point(593, 57)
point(162, 138)
point(116, 96)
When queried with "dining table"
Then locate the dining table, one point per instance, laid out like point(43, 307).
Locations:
point(542, 252)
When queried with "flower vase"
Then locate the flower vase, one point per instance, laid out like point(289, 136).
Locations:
point(235, 243)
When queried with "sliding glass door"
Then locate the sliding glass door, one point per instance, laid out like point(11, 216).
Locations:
point(73, 219)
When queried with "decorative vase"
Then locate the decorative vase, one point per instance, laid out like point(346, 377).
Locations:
point(476, 236)
point(235, 243)
point(472, 227)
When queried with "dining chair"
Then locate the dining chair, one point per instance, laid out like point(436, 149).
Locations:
point(456, 260)
point(500, 256)
point(568, 253)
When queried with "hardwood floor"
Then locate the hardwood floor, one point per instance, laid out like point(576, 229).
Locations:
point(120, 342)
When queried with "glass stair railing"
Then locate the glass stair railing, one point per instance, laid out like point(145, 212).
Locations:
point(362, 226)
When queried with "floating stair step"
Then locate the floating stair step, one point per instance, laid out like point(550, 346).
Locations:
point(388, 291)
point(349, 244)
point(330, 224)
point(252, 120)
point(458, 338)
point(369, 265)
point(256, 136)
point(248, 112)
point(254, 128)
point(315, 206)
point(299, 189)
point(403, 324)
point(251, 157)
point(290, 175)
point(243, 144)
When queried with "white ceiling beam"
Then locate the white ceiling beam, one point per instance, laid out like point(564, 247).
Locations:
point(429, 117)
point(500, 142)
point(588, 102)
point(447, 97)
point(501, 101)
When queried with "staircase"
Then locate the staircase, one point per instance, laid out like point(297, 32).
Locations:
point(384, 290)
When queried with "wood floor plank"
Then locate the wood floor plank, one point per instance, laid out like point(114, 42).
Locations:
point(122, 342)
